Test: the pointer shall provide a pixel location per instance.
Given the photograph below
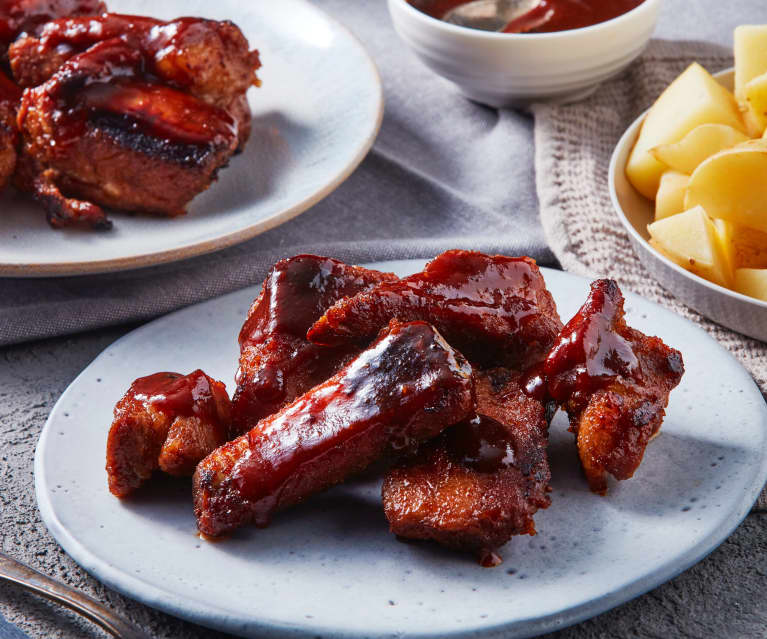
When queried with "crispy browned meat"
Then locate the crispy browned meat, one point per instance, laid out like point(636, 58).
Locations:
point(9, 98)
point(27, 16)
point(208, 59)
point(494, 309)
point(17, 17)
point(94, 132)
point(277, 363)
point(407, 387)
point(165, 421)
point(129, 112)
point(613, 381)
point(481, 481)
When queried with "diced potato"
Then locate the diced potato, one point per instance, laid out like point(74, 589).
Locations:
point(694, 98)
point(690, 239)
point(750, 247)
point(670, 198)
point(699, 144)
point(755, 95)
point(750, 63)
point(750, 55)
point(752, 282)
point(732, 185)
point(725, 235)
point(742, 247)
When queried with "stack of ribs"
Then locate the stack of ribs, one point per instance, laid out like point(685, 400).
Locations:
point(452, 375)
point(125, 112)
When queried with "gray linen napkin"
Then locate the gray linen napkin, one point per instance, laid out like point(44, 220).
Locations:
point(573, 145)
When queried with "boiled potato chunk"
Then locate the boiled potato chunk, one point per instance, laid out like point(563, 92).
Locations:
point(755, 94)
point(700, 143)
point(725, 235)
point(742, 247)
point(670, 198)
point(750, 54)
point(694, 98)
point(752, 282)
point(750, 63)
point(750, 246)
point(732, 185)
point(690, 239)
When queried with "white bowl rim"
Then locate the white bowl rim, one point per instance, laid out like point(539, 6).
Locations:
point(645, 6)
point(622, 143)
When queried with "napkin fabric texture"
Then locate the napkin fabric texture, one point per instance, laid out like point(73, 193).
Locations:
point(573, 146)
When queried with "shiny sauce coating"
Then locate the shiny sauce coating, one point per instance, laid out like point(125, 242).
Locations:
point(481, 443)
point(103, 82)
point(379, 402)
point(24, 16)
point(156, 40)
point(175, 394)
point(589, 353)
point(488, 307)
point(548, 16)
point(9, 90)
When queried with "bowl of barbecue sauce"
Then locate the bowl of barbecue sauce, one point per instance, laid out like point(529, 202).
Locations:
point(557, 50)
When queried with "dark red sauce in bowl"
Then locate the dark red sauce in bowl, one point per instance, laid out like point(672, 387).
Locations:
point(549, 16)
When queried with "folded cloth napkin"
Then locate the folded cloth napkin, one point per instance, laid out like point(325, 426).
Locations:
point(573, 145)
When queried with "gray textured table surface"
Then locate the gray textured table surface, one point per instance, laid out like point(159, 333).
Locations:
point(722, 596)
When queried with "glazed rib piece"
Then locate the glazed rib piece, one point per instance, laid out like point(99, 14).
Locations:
point(407, 387)
point(95, 132)
point(494, 309)
point(9, 98)
point(277, 362)
point(16, 17)
point(614, 382)
point(481, 481)
point(165, 421)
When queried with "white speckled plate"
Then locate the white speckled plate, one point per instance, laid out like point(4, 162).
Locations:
point(331, 568)
point(741, 313)
point(315, 118)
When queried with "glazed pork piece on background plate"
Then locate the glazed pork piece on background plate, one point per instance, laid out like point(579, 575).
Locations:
point(140, 119)
point(17, 17)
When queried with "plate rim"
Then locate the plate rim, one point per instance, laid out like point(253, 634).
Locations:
point(631, 132)
point(67, 269)
point(167, 601)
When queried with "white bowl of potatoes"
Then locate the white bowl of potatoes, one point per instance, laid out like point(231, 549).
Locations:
point(688, 180)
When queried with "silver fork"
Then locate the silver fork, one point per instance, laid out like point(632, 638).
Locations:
point(26, 577)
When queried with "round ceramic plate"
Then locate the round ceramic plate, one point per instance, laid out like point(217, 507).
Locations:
point(741, 313)
point(330, 567)
point(314, 119)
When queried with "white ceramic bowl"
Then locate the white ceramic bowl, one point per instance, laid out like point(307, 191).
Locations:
point(741, 313)
point(503, 69)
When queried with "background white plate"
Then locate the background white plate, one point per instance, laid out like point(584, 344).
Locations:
point(741, 313)
point(331, 567)
point(315, 118)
